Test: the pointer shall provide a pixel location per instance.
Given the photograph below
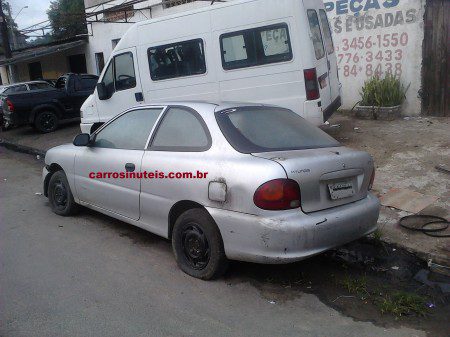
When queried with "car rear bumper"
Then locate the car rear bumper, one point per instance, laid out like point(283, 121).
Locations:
point(292, 236)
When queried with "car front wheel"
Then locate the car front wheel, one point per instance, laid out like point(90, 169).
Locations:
point(198, 246)
point(60, 196)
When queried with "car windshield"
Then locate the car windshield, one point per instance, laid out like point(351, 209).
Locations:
point(267, 129)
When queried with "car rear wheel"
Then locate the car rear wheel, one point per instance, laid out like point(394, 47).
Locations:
point(46, 121)
point(198, 246)
point(60, 196)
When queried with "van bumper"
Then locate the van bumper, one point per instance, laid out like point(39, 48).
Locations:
point(292, 235)
point(332, 108)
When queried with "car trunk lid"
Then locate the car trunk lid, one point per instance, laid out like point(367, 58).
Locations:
point(328, 177)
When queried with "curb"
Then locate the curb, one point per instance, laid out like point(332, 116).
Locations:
point(21, 148)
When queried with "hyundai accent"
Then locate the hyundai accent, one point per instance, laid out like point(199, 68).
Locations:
point(222, 181)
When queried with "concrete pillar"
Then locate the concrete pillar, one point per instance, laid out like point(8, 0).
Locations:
point(4, 75)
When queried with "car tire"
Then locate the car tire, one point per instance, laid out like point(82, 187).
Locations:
point(46, 121)
point(60, 196)
point(198, 246)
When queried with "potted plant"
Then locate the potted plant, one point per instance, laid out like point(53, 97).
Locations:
point(381, 98)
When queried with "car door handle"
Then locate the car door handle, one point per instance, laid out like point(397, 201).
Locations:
point(130, 167)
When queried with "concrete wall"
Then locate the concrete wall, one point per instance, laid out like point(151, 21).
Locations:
point(375, 37)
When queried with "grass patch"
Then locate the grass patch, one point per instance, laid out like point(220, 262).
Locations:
point(357, 286)
point(402, 303)
point(377, 235)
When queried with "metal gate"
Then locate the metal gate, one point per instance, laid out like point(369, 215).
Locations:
point(436, 59)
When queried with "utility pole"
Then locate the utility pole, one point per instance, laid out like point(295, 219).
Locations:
point(5, 35)
point(5, 40)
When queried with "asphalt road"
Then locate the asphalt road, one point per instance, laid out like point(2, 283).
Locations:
point(91, 275)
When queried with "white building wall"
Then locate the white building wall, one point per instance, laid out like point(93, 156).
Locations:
point(375, 37)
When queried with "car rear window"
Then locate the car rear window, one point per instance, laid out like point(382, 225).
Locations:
point(267, 129)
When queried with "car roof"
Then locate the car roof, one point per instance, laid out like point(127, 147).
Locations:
point(213, 105)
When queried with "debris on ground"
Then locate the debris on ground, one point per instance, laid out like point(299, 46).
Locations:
point(38, 193)
point(443, 168)
point(407, 200)
point(423, 276)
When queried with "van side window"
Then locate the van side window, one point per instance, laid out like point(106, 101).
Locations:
point(326, 31)
point(108, 79)
point(124, 75)
point(316, 33)
point(252, 47)
point(177, 60)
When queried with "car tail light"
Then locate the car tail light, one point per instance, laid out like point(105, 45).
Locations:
point(10, 105)
point(278, 194)
point(372, 179)
point(311, 84)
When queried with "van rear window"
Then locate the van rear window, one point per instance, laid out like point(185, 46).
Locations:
point(316, 33)
point(258, 46)
point(174, 60)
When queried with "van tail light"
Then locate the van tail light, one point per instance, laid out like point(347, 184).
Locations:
point(278, 194)
point(10, 105)
point(372, 179)
point(311, 84)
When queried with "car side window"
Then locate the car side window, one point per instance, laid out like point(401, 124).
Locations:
point(37, 86)
point(17, 88)
point(129, 131)
point(316, 34)
point(85, 83)
point(182, 130)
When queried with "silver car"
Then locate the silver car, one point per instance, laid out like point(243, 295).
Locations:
point(222, 181)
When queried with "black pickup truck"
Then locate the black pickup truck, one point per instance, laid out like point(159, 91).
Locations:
point(44, 108)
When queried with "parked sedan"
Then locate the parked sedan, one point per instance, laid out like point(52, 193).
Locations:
point(222, 181)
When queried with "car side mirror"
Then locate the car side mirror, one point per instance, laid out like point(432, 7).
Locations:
point(102, 92)
point(83, 139)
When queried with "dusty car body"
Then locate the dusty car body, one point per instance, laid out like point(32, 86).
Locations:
point(275, 206)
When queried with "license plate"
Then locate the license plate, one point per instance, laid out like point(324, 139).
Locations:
point(341, 190)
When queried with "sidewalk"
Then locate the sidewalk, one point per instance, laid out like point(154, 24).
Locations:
point(406, 152)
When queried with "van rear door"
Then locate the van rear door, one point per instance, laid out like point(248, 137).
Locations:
point(312, 8)
point(331, 55)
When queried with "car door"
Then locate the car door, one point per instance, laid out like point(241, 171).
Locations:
point(107, 173)
point(122, 81)
point(312, 8)
point(179, 149)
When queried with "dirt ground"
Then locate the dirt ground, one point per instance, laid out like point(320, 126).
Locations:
point(406, 152)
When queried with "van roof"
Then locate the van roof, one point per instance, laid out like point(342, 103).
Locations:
point(127, 39)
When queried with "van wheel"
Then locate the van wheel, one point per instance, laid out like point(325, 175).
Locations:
point(46, 121)
point(60, 196)
point(198, 246)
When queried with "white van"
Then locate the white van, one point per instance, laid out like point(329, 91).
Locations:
point(262, 51)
